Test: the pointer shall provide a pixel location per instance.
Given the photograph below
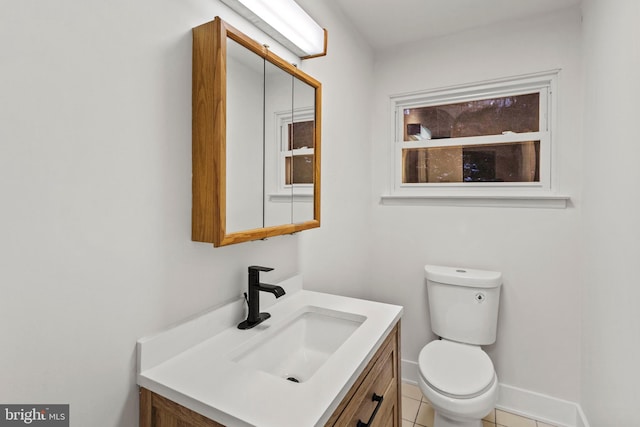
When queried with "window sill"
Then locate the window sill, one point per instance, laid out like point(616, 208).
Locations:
point(288, 197)
point(502, 201)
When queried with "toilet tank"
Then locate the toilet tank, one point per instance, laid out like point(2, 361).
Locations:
point(463, 303)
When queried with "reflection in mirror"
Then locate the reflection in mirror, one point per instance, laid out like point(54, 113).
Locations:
point(245, 93)
point(301, 143)
point(289, 146)
point(278, 96)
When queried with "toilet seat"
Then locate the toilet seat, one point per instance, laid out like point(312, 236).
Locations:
point(456, 370)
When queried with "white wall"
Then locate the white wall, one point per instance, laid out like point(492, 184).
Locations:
point(95, 178)
point(334, 257)
point(538, 344)
point(611, 231)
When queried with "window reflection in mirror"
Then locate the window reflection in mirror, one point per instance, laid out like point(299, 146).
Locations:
point(289, 145)
point(301, 144)
point(278, 101)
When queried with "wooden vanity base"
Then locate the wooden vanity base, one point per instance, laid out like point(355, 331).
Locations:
point(157, 411)
point(380, 377)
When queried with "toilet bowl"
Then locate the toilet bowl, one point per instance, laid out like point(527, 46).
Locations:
point(455, 374)
point(459, 381)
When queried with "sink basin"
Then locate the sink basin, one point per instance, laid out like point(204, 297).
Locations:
point(296, 349)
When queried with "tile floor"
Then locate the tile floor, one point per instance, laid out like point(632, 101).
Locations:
point(417, 412)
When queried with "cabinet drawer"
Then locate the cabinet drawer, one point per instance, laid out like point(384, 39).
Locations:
point(380, 379)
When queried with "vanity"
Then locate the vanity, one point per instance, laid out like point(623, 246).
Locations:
point(320, 360)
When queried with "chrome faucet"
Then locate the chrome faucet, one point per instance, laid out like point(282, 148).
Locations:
point(253, 299)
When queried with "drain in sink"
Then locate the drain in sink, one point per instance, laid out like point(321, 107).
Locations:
point(293, 379)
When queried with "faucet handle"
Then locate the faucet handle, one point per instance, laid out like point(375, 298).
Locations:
point(259, 268)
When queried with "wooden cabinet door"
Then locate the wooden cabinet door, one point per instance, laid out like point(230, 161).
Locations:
point(380, 378)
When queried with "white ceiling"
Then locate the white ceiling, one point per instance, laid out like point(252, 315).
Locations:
point(386, 23)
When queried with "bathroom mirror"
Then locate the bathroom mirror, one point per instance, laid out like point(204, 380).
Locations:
point(256, 140)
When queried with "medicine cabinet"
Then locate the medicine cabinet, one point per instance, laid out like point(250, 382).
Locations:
point(256, 140)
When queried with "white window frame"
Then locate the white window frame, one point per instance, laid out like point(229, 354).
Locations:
point(530, 194)
point(302, 192)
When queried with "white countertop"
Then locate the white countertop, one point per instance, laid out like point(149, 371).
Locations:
point(192, 364)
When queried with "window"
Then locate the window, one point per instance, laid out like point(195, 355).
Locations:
point(298, 153)
point(487, 139)
point(295, 164)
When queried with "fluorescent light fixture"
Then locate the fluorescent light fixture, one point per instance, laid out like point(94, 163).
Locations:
point(286, 22)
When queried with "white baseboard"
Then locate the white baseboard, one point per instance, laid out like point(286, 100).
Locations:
point(409, 371)
point(530, 404)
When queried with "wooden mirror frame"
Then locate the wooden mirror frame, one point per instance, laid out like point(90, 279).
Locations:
point(208, 216)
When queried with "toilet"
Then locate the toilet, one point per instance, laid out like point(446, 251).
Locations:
point(455, 374)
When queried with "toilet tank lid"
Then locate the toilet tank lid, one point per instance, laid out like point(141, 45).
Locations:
point(463, 276)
